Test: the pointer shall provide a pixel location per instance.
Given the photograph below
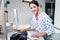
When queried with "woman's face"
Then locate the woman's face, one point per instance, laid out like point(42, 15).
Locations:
point(34, 8)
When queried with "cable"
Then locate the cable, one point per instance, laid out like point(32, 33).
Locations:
point(57, 28)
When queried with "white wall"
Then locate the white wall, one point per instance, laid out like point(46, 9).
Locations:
point(49, 1)
point(23, 10)
point(42, 2)
point(57, 14)
point(0, 10)
point(0, 3)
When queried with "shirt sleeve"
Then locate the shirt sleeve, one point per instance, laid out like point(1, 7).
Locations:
point(32, 24)
point(49, 27)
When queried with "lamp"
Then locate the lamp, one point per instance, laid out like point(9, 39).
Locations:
point(27, 0)
point(7, 2)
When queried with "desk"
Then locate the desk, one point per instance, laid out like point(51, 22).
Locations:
point(29, 38)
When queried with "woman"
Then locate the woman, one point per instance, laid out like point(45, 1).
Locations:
point(41, 22)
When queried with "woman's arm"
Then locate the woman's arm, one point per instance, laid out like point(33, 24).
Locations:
point(27, 29)
point(43, 34)
point(39, 34)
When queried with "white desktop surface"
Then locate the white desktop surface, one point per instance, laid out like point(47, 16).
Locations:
point(29, 37)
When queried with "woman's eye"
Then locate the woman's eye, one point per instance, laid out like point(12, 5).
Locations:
point(34, 7)
point(30, 7)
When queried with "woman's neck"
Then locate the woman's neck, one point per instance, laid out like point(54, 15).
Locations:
point(37, 14)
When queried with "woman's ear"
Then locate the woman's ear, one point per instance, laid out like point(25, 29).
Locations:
point(40, 6)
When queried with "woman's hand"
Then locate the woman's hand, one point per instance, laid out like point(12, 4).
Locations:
point(17, 30)
point(37, 35)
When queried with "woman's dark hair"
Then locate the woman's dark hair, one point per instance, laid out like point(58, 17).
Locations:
point(34, 2)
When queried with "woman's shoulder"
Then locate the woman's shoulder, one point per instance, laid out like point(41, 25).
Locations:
point(45, 16)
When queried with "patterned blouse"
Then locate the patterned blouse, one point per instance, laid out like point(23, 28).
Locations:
point(43, 24)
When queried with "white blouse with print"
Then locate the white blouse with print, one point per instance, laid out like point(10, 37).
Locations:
point(43, 24)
